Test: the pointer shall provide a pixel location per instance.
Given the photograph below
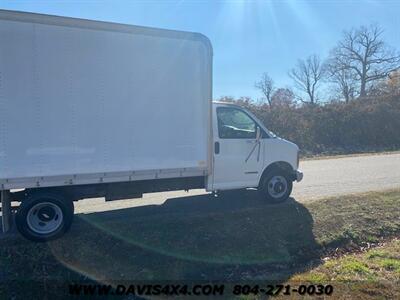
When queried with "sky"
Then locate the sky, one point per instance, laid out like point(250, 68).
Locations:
point(248, 37)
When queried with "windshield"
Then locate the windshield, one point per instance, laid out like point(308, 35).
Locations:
point(261, 124)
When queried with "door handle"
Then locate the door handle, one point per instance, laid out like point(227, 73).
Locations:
point(216, 147)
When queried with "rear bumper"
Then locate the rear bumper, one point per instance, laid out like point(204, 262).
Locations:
point(298, 175)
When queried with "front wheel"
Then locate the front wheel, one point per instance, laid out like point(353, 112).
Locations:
point(43, 216)
point(275, 186)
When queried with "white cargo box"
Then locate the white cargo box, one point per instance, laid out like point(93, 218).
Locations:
point(84, 102)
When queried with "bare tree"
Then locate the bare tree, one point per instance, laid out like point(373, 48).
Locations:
point(307, 75)
point(363, 52)
point(343, 80)
point(266, 86)
point(283, 97)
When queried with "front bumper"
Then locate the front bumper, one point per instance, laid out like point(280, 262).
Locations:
point(298, 175)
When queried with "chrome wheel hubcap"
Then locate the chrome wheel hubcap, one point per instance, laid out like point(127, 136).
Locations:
point(277, 186)
point(44, 218)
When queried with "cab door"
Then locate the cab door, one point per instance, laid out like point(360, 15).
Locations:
point(238, 154)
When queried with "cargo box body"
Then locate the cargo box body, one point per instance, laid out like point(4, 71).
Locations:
point(86, 102)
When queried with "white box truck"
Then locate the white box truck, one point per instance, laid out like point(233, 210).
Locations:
point(95, 109)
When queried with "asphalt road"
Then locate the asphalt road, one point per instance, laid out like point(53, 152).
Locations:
point(322, 178)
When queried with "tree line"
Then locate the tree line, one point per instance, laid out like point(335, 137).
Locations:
point(360, 65)
point(348, 102)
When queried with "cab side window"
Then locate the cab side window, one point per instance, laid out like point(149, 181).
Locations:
point(233, 123)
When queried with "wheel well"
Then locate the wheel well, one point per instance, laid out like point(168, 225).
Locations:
point(279, 165)
point(22, 195)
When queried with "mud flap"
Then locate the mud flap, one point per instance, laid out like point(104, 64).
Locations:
point(6, 210)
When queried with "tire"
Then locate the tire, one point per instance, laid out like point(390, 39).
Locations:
point(44, 216)
point(275, 186)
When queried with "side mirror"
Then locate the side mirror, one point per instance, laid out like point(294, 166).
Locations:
point(258, 134)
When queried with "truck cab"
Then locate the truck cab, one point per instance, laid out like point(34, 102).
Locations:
point(246, 154)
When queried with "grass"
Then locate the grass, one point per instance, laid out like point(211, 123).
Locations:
point(356, 220)
point(235, 237)
point(370, 274)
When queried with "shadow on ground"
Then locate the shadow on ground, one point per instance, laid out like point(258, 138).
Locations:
point(196, 237)
point(230, 238)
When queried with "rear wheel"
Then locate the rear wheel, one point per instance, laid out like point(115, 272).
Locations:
point(44, 216)
point(276, 186)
